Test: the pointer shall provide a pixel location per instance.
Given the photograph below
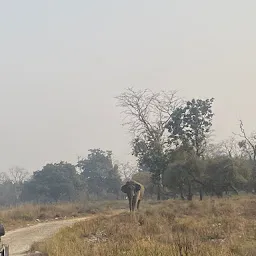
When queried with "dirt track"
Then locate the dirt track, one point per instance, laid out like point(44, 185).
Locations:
point(21, 239)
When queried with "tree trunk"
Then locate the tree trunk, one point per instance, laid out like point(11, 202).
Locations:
point(130, 202)
point(219, 193)
point(201, 194)
point(190, 195)
point(234, 189)
point(158, 192)
point(181, 192)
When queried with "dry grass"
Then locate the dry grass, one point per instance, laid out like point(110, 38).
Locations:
point(173, 228)
point(28, 214)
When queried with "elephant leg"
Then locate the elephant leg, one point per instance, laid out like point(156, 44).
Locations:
point(130, 203)
point(138, 204)
point(134, 201)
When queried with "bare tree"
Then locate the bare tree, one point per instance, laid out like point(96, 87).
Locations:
point(230, 147)
point(126, 170)
point(18, 175)
point(4, 177)
point(147, 113)
point(248, 147)
point(248, 143)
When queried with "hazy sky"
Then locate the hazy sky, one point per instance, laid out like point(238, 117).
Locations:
point(62, 62)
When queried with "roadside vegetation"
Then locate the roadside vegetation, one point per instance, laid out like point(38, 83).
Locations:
point(171, 228)
point(178, 157)
point(29, 214)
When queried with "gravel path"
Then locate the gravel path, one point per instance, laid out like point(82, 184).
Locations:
point(20, 240)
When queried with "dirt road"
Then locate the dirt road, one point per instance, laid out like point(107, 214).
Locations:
point(20, 240)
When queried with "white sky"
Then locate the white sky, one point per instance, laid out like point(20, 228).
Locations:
point(62, 62)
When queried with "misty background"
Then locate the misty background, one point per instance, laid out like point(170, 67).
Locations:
point(63, 62)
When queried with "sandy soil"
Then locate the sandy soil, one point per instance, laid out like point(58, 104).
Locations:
point(20, 240)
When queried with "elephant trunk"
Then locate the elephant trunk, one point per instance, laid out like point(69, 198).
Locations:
point(134, 202)
point(130, 202)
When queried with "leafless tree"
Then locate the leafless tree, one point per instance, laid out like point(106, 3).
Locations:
point(126, 170)
point(248, 147)
point(147, 113)
point(18, 175)
point(248, 143)
point(230, 147)
point(4, 177)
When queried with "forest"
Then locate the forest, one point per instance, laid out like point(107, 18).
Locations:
point(176, 152)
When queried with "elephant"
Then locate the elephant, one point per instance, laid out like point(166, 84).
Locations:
point(135, 192)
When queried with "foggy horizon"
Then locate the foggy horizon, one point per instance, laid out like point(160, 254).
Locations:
point(63, 63)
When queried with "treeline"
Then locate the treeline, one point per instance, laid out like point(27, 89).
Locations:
point(92, 178)
point(173, 142)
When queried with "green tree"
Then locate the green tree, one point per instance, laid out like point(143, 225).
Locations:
point(99, 173)
point(145, 178)
point(7, 191)
point(225, 173)
point(247, 145)
point(189, 129)
point(113, 181)
point(176, 173)
point(190, 125)
point(55, 182)
point(153, 157)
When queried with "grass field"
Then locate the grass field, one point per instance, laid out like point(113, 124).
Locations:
point(174, 228)
point(27, 214)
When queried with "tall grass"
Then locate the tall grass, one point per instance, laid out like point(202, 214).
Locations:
point(173, 228)
point(14, 217)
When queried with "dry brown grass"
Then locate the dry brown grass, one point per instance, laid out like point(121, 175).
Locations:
point(174, 228)
point(28, 214)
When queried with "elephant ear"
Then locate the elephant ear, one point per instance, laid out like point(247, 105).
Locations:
point(124, 189)
point(137, 187)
